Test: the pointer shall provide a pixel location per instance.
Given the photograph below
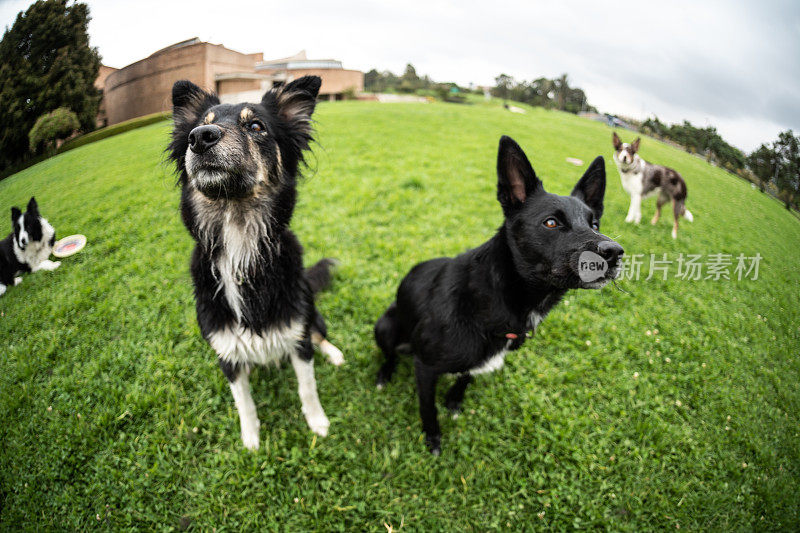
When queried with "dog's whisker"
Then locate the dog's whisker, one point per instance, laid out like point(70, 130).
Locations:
point(616, 286)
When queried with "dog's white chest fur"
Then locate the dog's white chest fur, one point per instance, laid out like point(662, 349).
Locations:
point(236, 344)
point(238, 240)
point(36, 252)
point(497, 361)
point(238, 252)
point(632, 177)
point(632, 182)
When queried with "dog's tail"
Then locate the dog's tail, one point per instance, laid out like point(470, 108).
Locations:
point(320, 274)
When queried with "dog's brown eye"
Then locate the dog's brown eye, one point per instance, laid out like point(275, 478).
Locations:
point(550, 223)
point(256, 126)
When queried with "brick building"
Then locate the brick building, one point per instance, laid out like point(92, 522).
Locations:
point(145, 86)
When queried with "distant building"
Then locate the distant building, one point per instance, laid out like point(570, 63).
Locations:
point(100, 83)
point(336, 80)
point(145, 86)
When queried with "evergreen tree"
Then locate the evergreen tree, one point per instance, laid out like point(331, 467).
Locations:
point(787, 176)
point(45, 63)
point(503, 84)
point(762, 163)
point(409, 81)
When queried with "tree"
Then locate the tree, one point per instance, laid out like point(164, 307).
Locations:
point(45, 63)
point(762, 163)
point(653, 126)
point(542, 89)
point(51, 128)
point(502, 86)
point(372, 81)
point(561, 88)
point(542, 92)
point(409, 81)
point(705, 141)
point(787, 173)
point(575, 100)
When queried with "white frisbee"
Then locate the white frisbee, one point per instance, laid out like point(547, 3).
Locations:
point(69, 245)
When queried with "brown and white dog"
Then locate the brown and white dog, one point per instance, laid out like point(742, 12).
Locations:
point(641, 179)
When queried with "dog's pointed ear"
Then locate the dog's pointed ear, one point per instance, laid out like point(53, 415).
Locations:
point(516, 180)
point(15, 214)
point(295, 102)
point(184, 92)
point(617, 142)
point(591, 188)
point(188, 98)
point(33, 207)
point(635, 144)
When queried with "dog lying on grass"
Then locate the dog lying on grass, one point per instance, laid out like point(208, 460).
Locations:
point(27, 248)
point(238, 168)
point(462, 315)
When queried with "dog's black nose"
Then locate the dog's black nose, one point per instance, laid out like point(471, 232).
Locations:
point(204, 137)
point(610, 251)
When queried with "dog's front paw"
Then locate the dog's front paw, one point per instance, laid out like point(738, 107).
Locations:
point(334, 354)
point(384, 376)
point(434, 443)
point(17, 281)
point(454, 406)
point(319, 424)
point(55, 265)
point(250, 438)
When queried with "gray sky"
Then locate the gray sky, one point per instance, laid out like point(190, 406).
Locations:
point(734, 65)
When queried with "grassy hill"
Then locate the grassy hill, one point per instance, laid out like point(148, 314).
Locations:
point(670, 403)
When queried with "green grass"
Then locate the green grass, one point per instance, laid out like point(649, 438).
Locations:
point(89, 138)
point(116, 416)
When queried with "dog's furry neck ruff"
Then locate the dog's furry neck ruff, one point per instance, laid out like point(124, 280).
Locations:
point(234, 230)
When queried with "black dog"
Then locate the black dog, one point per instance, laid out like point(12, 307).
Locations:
point(238, 169)
point(461, 315)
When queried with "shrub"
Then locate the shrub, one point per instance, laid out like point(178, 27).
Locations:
point(350, 94)
point(116, 129)
point(50, 127)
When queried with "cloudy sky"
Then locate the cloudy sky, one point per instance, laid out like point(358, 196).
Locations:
point(733, 65)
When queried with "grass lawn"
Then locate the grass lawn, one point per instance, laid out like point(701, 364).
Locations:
point(669, 404)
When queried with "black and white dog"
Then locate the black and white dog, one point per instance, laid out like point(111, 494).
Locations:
point(28, 247)
point(462, 315)
point(238, 168)
point(641, 179)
